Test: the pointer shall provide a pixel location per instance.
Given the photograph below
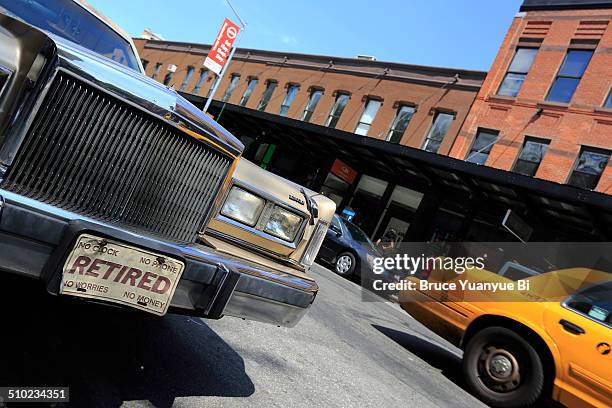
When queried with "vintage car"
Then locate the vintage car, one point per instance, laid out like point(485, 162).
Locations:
point(524, 346)
point(108, 179)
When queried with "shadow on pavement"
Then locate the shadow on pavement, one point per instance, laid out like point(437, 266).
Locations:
point(107, 356)
point(438, 357)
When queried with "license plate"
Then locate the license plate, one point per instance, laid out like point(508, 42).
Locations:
point(100, 268)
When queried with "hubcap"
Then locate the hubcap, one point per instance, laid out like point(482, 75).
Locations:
point(500, 366)
point(499, 369)
point(343, 264)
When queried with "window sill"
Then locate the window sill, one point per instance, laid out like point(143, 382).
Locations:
point(501, 98)
point(553, 105)
point(601, 109)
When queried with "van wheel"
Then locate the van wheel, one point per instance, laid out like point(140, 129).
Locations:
point(345, 264)
point(502, 369)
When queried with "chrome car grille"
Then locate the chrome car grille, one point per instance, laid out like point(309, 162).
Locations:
point(88, 152)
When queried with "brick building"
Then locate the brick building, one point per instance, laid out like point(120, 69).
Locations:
point(403, 146)
point(384, 100)
point(545, 108)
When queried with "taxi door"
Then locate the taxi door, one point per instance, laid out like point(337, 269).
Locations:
point(581, 326)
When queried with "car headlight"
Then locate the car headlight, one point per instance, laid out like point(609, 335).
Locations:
point(283, 224)
point(315, 244)
point(243, 206)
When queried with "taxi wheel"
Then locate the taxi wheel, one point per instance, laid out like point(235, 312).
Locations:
point(345, 264)
point(502, 369)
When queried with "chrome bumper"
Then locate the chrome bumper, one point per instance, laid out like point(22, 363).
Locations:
point(34, 237)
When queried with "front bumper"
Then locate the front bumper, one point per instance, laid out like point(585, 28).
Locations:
point(34, 237)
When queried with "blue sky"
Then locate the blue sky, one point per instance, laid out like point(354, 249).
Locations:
point(447, 33)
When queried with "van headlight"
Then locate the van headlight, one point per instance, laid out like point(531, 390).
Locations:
point(240, 205)
point(283, 224)
point(314, 245)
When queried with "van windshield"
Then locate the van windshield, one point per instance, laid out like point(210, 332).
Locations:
point(69, 20)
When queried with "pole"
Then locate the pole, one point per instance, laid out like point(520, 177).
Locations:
point(218, 80)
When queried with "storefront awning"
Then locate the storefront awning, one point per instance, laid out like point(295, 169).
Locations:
point(587, 211)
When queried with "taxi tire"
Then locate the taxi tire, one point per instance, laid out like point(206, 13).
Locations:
point(528, 393)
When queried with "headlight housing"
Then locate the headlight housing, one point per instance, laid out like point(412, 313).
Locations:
point(240, 205)
point(283, 224)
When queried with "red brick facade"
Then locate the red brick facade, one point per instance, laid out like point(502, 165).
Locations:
point(428, 89)
point(584, 121)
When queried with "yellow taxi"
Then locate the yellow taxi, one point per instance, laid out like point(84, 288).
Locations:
point(550, 341)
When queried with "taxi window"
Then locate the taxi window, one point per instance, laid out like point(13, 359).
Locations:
point(67, 19)
point(594, 302)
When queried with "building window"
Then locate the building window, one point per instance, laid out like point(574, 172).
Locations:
point(437, 131)
point(400, 123)
point(531, 156)
point(187, 78)
point(168, 77)
point(248, 92)
point(145, 63)
point(591, 164)
point(267, 95)
point(230, 88)
point(367, 117)
point(337, 109)
point(201, 79)
point(156, 70)
point(292, 90)
point(608, 102)
point(569, 75)
point(485, 139)
point(315, 96)
point(519, 67)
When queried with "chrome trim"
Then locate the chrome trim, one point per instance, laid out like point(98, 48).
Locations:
point(264, 310)
point(13, 142)
point(269, 197)
point(249, 246)
point(9, 75)
point(26, 95)
point(293, 244)
point(321, 224)
point(220, 286)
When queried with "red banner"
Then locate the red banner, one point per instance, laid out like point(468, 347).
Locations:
point(220, 51)
point(344, 171)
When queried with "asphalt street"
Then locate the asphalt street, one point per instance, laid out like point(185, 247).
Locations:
point(347, 352)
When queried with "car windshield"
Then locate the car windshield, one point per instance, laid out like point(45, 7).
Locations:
point(69, 20)
point(359, 236)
